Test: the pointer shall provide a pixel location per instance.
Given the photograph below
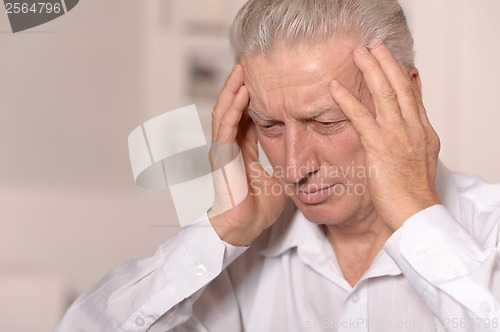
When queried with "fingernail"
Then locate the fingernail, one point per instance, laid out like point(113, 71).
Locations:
point(334, 83)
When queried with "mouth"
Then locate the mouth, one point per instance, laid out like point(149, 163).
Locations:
point(314, 194)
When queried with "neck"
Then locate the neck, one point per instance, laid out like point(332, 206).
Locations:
point(368, 229)
point(357, 244)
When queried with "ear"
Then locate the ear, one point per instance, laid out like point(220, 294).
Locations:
point(415, 79)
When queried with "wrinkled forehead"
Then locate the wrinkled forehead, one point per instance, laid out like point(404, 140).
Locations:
point(313, 65)
point(296, 82)
point(332, 56)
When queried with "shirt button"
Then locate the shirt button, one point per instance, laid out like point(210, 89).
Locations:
point(201, 270)
point(139, 322)
point(485, 307)
point(423, 252)
point(355, 298)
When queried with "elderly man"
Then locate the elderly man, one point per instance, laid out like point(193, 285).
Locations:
point(379, 236)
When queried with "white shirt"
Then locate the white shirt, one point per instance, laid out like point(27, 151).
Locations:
point(439, 272)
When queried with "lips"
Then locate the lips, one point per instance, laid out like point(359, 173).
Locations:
point(314, 194)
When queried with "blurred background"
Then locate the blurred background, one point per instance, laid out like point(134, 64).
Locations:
point(73, 89)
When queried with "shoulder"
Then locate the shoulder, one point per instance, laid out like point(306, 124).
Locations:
point(478, 205)
point(473, 189)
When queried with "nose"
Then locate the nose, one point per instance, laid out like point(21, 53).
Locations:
point(300, 156)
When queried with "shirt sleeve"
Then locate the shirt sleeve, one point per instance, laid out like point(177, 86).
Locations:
point(135, 295)
point(454, 275)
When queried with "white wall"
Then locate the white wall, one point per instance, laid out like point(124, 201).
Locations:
point(70, 93)
point(457, 54)
point(73, 89)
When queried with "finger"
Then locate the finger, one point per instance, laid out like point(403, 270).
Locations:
point(228, 93)
point(421, 112)
point(399, 79)
point(430, 133)
point(384, 96)
point(247, 140)
point(361, 118)
point(229, 123)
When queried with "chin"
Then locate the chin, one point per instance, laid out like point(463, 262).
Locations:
point(334, 211)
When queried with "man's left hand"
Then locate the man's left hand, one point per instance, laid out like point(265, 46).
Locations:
point(399, 140)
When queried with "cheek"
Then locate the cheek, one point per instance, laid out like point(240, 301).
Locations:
point(350, 162)
point(343, 149)
point(272, 148)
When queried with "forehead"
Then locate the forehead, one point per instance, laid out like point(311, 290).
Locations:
point(299, 75)
point(333, 54)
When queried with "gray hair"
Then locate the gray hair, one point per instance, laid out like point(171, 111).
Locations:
point(261, 24)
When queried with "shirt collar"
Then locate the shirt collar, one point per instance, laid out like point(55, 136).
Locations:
point(292, 230)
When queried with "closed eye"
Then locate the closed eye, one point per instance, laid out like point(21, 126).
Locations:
point(327, 124)
point(271, 129)
point(330, 127)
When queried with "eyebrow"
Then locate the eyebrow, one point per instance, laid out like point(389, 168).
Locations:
point(316, 114)
point(259, 115)
point(305, 117)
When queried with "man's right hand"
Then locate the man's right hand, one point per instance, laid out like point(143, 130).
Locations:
point(233, 131)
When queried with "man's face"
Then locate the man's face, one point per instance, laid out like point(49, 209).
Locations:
point(313, 148)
